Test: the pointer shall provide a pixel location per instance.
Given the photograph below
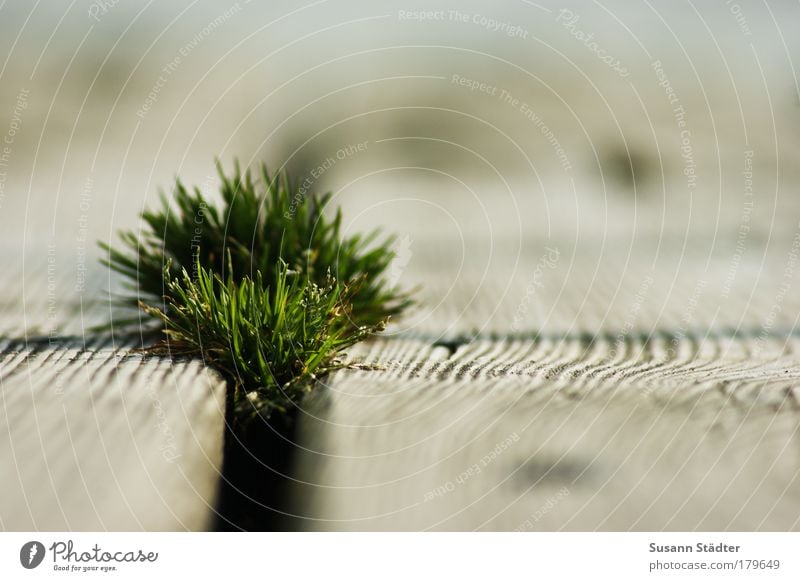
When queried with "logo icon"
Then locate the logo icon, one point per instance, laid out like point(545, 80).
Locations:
point(31, 554)
point(402, 256)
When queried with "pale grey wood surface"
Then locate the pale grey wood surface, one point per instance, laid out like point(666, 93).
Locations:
point(622, 395)
point(94, 435)
point(702, 360)
point(700, 444)
point(616, 406)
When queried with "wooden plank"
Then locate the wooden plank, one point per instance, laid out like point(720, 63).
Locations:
point(45, 295)
point(534, 435)
point(624, 396)
point(95, 435)
point(101, 438)
point(594, 291)
point(649, 390)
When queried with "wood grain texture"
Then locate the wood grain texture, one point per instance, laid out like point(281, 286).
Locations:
point(704, 443)
point(609, 404)
point(626, 385)
point(657, 356)
point(96, 436)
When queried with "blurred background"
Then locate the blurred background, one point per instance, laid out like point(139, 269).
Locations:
point(478, 132)
point(596, 199)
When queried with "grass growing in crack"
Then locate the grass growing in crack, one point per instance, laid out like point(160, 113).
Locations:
point(273, 341)
point(264, 288)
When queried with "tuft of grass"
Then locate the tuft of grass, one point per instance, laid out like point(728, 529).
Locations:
point(263, 287)
point(273, 342)
point(259, 222)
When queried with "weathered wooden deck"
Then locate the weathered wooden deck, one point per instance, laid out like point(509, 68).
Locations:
point(647, 378)
point(95, 435)
point(630, 407)
point(607, 396)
